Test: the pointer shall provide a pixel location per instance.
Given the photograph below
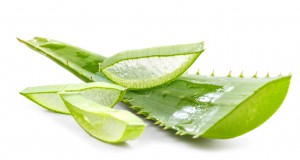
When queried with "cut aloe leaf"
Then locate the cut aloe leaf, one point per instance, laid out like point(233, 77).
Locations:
point(147, 68)
point(103, 123)
point(213, 107)
point(224, 112)
point(106, 94)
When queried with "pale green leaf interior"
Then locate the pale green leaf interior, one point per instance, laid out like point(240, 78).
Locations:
point(51, 101)
point(48, 96)
point(100, 126)
point(105, 97)
point(103, 123)
point(148, 72)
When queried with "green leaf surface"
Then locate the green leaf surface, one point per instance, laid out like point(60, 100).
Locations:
point(103, 123)
point(104, 93)
point(213, 107)
point(80, 62)
point(208, 106)
point(150, 67)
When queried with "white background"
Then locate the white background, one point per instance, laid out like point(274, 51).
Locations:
point(240, 35)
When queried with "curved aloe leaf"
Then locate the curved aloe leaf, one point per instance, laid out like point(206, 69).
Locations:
point(150, 67)
point(208, 106)
point(106, 94)
point(101, 122)
point(213, 107)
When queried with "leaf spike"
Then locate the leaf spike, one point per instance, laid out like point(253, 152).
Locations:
point(162, 125)
point(182, 133)
point(149, 117)
point(280, 74)
point(196, 136)
point(198, 71)
point(290, 74)
point(134, 107)
point(140, 112)
point(157, 122)
point(242, 74)
point(213, 73)
point(177, 133)
point(229, 74)
point(166, 127)
point(255, 75)
point(268, 75)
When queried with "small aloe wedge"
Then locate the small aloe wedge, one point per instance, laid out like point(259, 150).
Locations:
point(207, 106)
point(150, 67)
point(103, 123)
point(106, 94)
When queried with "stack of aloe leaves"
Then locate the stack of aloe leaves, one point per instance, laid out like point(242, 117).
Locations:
point(154, 84)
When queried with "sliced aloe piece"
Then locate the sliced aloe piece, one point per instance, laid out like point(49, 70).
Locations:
point(106, 94)
point(245, 106)
point(147, 68)
point(101, 122)
point(213, 107)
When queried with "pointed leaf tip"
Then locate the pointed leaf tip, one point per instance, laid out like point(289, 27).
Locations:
point(213, 73)
point(157, 122)
point(255, 75)
point(166, 127)
point(196, 136)
point(198, 72)
point(162, 125)
point(229, 74)
point(268, 75)
point(242, 74)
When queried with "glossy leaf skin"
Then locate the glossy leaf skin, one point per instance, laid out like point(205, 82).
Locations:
point(213, 107)
point(253, 111)
point(80, 62)
point(106, 124)
point(241, 104)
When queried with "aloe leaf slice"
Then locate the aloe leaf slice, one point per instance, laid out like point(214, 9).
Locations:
point(248, 104)
point(106, 94)
point(150, 67)
point(103, 123)
point(213, 107)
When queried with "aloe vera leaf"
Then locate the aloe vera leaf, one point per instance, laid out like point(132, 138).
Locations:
point(80, 62)
point(213, 107)
point(103, 123)
point(150, 67)
point(106, 94)
point(211, 85)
